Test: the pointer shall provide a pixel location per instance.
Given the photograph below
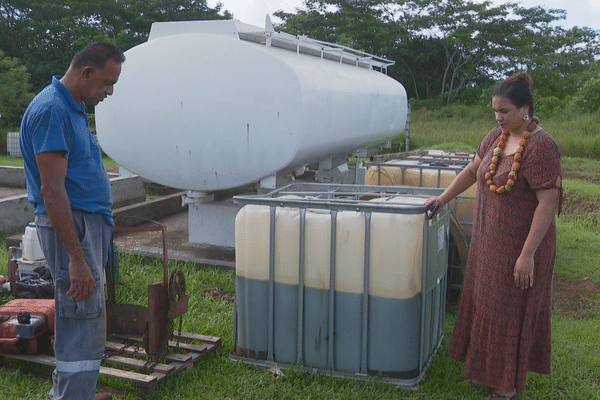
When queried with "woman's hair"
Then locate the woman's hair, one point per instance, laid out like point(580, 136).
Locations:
point(97, 54)
point(517, 89)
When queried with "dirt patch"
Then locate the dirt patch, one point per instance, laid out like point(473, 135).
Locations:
point(581, 175)
point(571, 299)
point(588, 172)
point(219, 295)
point(112, 169)
point(576, 204)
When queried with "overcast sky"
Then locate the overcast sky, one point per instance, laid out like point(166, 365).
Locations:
point(579, 12)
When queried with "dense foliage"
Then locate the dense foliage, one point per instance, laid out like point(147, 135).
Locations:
point(45, 34)
point(15, 90)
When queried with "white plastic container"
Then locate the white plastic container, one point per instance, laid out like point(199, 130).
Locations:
point(13, 148)
point(5, 288)
point(26, 268)
point(32, 250)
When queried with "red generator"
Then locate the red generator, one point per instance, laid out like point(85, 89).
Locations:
point(26, 326)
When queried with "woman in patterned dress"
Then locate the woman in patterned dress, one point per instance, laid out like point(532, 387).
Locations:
point(503, 323)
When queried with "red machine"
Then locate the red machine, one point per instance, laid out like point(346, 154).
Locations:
point(26, 326)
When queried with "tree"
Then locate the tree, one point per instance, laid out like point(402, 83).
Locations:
point(442, 47)
point(587, 97)
point(15, 91)
point(45, 34)
point(353, 23)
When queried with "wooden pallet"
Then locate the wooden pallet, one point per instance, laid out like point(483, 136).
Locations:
point(146, 372)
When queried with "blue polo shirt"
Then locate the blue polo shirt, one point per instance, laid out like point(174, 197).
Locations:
point(54, 121)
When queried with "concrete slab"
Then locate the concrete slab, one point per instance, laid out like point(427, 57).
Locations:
point(7, 191)
point(12, 176)
point(149, 244)
point(16, 212)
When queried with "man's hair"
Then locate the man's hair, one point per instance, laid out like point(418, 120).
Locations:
point(97, 54)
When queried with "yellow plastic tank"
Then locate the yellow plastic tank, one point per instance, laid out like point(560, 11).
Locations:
point(406, 172)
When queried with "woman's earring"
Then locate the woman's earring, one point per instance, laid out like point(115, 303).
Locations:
point(526, 117)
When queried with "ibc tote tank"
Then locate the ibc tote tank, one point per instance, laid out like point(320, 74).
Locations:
point(316, 287)
point(213, 105)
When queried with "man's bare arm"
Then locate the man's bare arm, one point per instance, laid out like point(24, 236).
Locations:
point(53, 171)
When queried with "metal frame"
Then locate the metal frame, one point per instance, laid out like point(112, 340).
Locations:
point(319, 48)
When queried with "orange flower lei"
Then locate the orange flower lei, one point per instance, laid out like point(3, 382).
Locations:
point(512, 175)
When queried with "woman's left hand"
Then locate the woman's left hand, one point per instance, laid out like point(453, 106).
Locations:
point(433, 205)
point(524, 272)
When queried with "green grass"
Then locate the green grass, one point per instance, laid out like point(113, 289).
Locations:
point(582, 168)
point(578, 254)
point(18, 161)
point(584, 188)
point(11, 161)
point(576, 345)
point(108, 161)
point(463, 128)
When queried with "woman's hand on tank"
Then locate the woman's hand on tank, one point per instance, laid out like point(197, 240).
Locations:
point(433, 205)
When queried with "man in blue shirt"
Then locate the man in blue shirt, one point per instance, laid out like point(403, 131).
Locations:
point(70, 190)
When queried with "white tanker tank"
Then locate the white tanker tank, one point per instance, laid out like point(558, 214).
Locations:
point(213, 105)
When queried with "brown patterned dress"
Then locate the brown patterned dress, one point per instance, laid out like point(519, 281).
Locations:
point(503, 331)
